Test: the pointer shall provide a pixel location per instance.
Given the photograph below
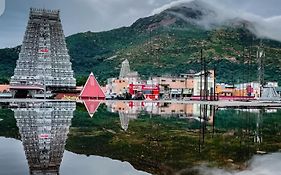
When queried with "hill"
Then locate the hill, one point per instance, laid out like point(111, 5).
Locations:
point(167, 43)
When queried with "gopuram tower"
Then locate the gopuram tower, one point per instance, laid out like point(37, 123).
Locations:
point(125, 69)
point(43, 59)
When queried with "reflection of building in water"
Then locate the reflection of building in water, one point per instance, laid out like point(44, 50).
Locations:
point(127, 111)
point(91, 106)
point(176, 109)
point(258, 130)
point(131, 110)
point(126, 107)
point(125, 119)
point(156, 108)
point(44, 128)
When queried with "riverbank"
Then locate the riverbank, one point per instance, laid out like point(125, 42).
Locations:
point(250, 104)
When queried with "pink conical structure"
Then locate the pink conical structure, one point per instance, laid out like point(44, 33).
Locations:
point(92, 90)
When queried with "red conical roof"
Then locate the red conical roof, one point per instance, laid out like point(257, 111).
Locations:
point(92, 89)
point(91, 106)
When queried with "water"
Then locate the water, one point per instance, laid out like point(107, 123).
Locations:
point(13, 161)
point(135, 138)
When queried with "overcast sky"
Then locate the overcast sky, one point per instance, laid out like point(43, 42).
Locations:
point(99, 15)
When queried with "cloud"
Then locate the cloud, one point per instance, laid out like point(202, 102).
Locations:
point(97, 15)
point(169, 5)
point(263, 27)
point(2, 7)
point(87, 15)
point(259, 165)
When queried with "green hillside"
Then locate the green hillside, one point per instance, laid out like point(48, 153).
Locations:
point(165, 44)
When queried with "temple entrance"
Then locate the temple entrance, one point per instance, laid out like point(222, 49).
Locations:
point(21, 94)
point(24, 92)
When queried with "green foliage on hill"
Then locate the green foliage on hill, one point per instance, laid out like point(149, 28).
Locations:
point(163, 44)
point(8, 59)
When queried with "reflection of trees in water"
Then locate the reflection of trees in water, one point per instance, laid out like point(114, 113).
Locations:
point(235, 135)
point(207, 117)
point(157, 144)
point(245, 132)
point(43, 128)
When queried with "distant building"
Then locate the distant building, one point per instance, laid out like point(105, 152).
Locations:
point(148, 91)
point(168, 87)
point(125, 69)
point(250, 89)
point(120, 85)
point(182, 86)
point(242, 90)
point(4, 88)
point(199, 83)
point(223, 89)
point(175, 87)
point(127, 74)
point(133, 77)
point(185, 85)
point(117, 86)
point(272, 84)
point(5, 91)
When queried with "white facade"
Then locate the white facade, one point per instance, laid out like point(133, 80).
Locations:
point(199, 82)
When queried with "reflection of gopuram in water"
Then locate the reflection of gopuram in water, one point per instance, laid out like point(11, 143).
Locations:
point(127, 111)
point(131, 110)
point(125, 119)
point(43, 128)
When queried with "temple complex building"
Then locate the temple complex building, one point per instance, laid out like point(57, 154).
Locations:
point(126, 77)
point(43, 61)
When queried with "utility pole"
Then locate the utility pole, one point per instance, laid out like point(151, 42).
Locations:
point(206, 73)
point(260, 58)
point(201, 73)
point(215, 81)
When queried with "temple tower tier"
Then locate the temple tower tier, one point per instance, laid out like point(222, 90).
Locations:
point(44, 58)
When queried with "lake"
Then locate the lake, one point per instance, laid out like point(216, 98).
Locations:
point(136, 138)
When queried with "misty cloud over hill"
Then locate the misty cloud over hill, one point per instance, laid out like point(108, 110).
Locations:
point(213, 14)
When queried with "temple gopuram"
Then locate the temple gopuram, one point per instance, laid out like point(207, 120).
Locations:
point(44, 62)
